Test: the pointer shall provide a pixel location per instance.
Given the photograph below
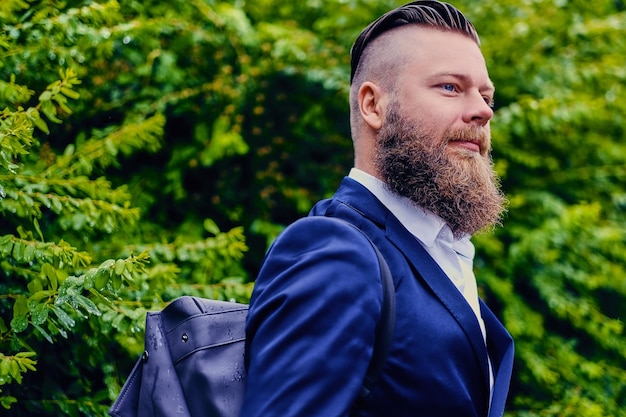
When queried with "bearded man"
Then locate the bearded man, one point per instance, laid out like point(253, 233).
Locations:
point(422, 184)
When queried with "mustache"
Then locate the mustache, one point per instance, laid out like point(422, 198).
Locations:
point(474, 134)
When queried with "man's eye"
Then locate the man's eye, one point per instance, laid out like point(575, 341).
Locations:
point(449, 87)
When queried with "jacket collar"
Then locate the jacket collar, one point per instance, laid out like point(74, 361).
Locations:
point(423, 224)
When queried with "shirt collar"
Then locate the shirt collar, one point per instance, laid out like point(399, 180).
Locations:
point(423, 224)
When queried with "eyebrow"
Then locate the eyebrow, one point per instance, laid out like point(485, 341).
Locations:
point(465, 78)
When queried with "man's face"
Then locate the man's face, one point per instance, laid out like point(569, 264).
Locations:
point(434, 145)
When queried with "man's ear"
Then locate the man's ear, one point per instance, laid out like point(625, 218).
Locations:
point(371, 105)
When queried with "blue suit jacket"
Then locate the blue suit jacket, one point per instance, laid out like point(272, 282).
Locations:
point(314, 310)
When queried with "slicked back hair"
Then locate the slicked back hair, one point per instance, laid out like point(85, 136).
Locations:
point(429, 13)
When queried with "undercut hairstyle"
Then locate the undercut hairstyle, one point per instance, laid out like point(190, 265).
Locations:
point(432, 13)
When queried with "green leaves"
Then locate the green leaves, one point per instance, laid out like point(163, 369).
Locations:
point(95, 88)
point(188, 131)
point(12, 367)
point(11, 8)
point(224, 141)
point(53, 101)
point(559, 136)
point(19, 323)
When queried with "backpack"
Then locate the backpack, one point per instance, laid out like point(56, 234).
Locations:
point(194, 358)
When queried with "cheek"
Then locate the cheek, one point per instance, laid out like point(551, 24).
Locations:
point(428, 119)
point(435, 120)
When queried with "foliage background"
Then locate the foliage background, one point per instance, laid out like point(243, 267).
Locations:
point(150, 149)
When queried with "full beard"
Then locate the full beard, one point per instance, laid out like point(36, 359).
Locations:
point(454, 183)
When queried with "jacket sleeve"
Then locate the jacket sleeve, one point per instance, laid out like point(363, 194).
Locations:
point(311, 323)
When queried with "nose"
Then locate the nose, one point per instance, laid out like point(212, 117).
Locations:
point(478, 112)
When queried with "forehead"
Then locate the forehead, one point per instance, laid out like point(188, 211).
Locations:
point(427, 51)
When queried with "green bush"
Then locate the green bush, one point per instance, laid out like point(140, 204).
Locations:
point(153, 149)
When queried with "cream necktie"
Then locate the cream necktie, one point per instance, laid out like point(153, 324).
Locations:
point(465, 254)
point(465, 251)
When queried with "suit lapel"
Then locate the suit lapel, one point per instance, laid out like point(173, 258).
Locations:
point(500, 346)
point(434, 278)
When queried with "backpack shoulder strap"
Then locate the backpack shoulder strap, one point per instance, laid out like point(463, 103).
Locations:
point(384, 329)
point(386, 325)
